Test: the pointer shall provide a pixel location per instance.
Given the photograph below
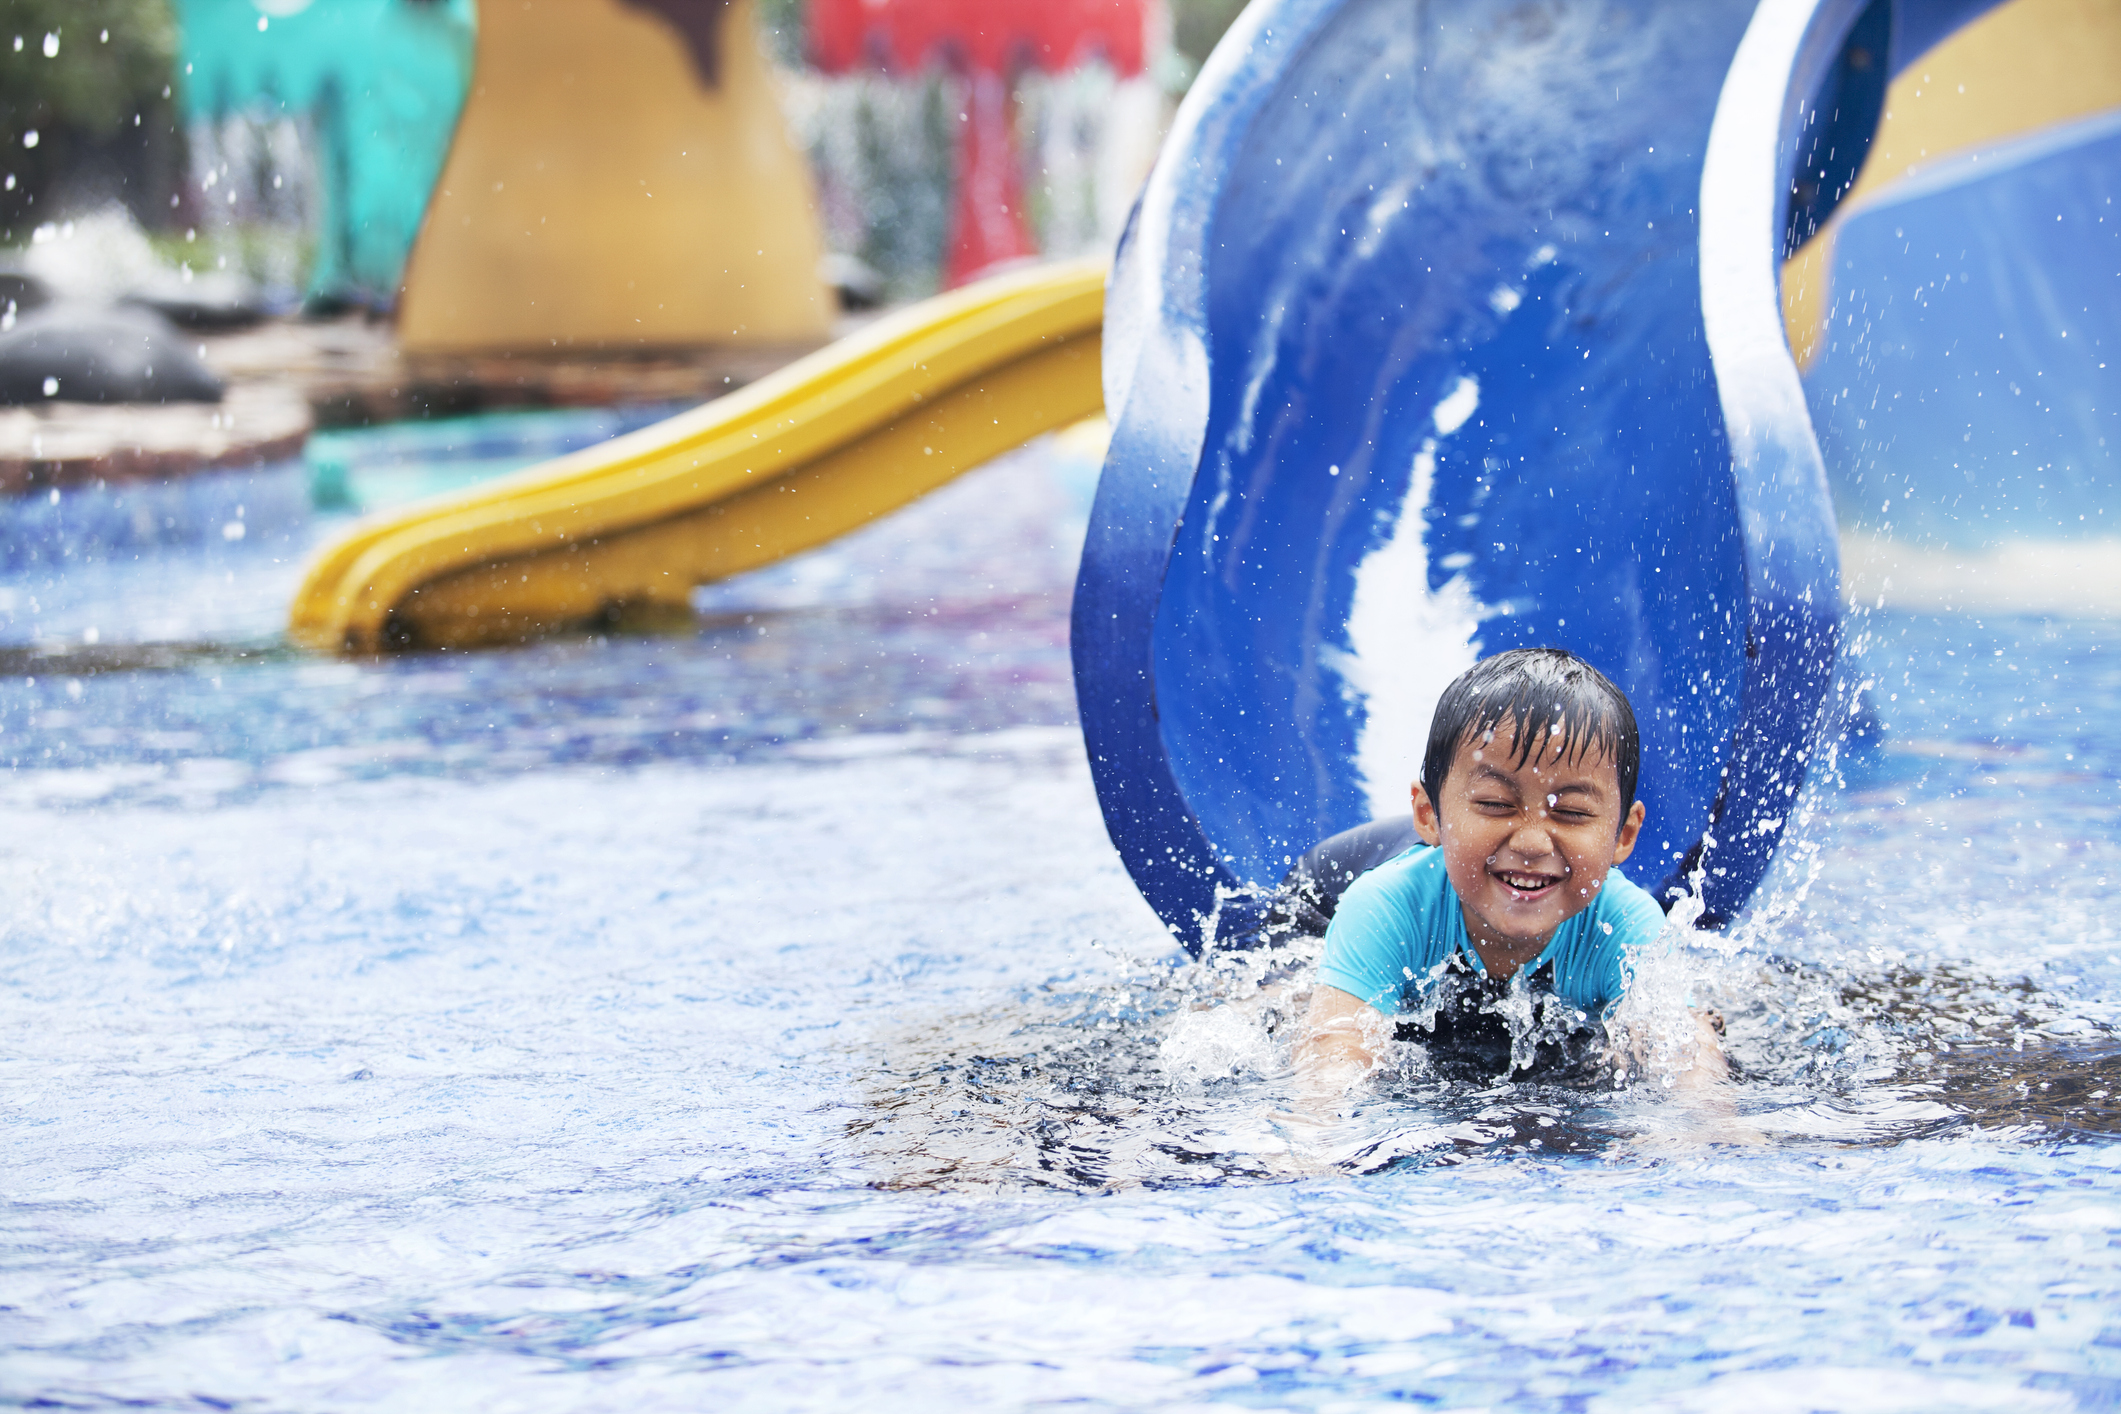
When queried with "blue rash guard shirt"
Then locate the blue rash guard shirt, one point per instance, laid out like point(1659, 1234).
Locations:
point(1398, 925)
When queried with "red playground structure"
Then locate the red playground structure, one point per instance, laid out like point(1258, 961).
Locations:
point(988, 43)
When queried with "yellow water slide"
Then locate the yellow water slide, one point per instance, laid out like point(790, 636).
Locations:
point(811, 452)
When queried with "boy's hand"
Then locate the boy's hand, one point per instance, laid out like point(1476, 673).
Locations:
point(1709, 1065)
point(1682, 1055)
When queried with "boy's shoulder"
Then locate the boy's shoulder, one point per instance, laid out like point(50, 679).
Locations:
point(1590, 953)
point(1627, 905)
point(1395, 922)
point(1410, 888)
point(1414, 872)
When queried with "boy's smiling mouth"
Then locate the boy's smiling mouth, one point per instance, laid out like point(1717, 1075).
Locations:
point(1525, 885)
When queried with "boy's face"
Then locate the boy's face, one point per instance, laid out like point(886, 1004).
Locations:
point(1527, 847)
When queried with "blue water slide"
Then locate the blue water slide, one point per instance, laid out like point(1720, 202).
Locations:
point(1450, 327)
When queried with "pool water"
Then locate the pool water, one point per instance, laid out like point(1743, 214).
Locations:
point(759, 1017)
point(376, 468)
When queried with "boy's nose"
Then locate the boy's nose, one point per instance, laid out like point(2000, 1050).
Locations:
point(1531, 841)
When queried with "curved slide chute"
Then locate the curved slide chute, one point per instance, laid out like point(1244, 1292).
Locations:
point(808, 453)
point(1451, 328)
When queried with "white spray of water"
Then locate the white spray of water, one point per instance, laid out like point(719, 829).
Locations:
point(1242, 1008)
point(1654, 1037)
point(95, 258)
point(1407, 642)
point(1217, 1042)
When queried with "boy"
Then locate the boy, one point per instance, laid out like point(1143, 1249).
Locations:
point(1526, 802)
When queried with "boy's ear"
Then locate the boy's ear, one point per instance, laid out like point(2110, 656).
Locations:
point(1426, 824)
point(1630, 828)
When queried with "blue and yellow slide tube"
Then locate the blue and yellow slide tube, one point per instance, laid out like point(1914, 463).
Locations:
point(1443, 329)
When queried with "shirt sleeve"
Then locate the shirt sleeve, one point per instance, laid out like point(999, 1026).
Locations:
point(1635, 913)
point(1634, 920)
point(1366, 944)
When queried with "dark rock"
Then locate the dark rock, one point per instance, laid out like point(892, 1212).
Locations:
point(73, 354)
point(213, 301)
point(20, 293)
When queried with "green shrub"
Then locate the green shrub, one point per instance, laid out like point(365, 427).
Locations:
point(1197, 24)
point(86, 110)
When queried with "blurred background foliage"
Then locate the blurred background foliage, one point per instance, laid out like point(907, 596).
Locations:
point(883, 146)
point(86, 110)
point(1197, 24)
point(102, 119)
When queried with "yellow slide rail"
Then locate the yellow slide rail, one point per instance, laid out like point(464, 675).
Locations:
point(813, 451)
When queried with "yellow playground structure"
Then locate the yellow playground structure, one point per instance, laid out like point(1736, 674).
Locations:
point(624, 531)
point(621, 176)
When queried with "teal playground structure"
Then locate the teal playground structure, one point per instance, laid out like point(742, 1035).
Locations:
point(376, 84)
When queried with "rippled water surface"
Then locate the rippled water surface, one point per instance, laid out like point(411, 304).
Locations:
point(759, 1018)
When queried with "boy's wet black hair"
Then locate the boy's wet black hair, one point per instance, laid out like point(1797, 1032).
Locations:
point(1547, 693)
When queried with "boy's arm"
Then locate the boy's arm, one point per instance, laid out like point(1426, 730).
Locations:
point(1342, 1043)
point(1346, 1032)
